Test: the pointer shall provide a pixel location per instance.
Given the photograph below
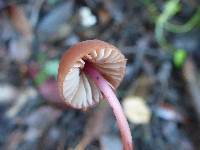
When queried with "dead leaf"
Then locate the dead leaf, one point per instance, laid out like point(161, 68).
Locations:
point(190, 74)
point(55, 24)
point(20, 21)
point(104, 16)
point(136, 110)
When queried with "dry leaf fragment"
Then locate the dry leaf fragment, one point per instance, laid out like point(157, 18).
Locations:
point(136, 110)
point(19, 20)
point(56, 24)
point(190, 74)
point(104, 16)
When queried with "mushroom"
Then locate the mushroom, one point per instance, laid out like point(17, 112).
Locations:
point(89, 71)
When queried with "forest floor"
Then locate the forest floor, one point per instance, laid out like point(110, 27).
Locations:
point(160, 93)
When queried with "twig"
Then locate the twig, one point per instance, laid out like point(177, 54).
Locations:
point(190, 74)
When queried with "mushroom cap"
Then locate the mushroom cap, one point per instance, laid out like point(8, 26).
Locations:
point(76, 88)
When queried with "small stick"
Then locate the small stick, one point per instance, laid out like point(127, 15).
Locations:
point(192, 83)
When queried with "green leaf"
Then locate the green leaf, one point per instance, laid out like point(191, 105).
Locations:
point(171, 8)
point(51, 67)
point(179, 57)
point(41, 77)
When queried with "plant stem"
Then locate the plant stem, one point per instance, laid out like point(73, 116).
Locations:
point(194, 21)
point(114, 103)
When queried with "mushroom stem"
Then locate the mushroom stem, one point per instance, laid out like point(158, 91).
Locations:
point(114, 103)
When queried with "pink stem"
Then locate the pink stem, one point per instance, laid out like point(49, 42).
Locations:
point(114, 103)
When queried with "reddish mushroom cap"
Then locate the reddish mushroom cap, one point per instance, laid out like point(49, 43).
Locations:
point(76, 88)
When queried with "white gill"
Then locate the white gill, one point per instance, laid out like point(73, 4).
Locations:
point(78, 88)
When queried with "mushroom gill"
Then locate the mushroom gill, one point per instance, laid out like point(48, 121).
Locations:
point(79, 89)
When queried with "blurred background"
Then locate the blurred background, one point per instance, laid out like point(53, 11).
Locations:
point(160, 93)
